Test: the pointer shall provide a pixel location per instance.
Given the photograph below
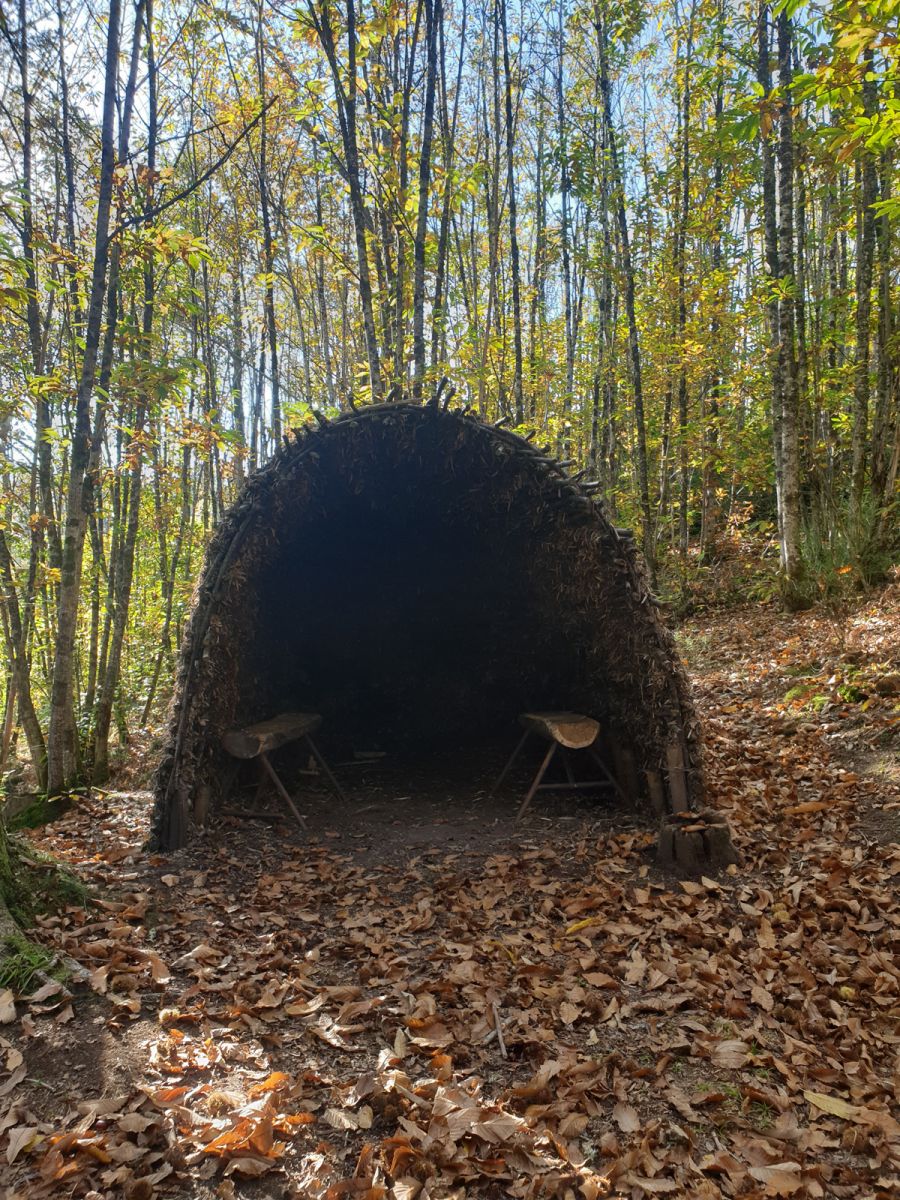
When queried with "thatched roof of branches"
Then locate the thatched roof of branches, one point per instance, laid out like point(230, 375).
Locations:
point(420, 577)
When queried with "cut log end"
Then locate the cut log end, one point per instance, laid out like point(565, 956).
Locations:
point(572, 730)
point(696, 843)
point(267, 736)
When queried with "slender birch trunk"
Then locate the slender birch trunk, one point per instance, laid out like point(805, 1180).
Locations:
point(867, 193)
point(61, 750)
point(518, 392)
point(792, 562)
point(433, 20)
point(634, 345)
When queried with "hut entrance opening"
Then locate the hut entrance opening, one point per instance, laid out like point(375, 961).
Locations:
point(413, 609)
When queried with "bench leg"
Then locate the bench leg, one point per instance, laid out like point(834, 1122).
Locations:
point(326, 770)
point(523, 807)
point(613, 782)
point(512, 758)
point(282, 790)
point(567, 763)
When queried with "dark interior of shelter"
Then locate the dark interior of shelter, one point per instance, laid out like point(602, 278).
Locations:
point(411, 619)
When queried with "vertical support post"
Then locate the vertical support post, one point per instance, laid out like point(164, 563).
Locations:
point(657, 792)
point(629, 776)
point(677, 776)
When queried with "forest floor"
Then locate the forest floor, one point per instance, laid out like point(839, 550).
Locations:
point(425, 1000)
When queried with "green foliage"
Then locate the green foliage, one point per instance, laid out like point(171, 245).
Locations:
point(39, 885)
point(22, 962)
point(41, 811)
point(850, 548)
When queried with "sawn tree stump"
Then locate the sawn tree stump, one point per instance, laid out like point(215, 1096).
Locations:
point(696, 842)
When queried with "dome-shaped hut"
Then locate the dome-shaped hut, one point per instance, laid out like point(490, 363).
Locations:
point(420, 577)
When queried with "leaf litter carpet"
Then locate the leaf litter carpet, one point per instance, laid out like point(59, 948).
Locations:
point(429, 1009)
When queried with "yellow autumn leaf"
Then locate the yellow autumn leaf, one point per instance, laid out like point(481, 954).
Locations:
point(579, 925)
point(833, 1105)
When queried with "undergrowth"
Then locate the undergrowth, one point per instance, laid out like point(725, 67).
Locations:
point(23, 963)
point(34, 885)
point(849, 550)
point(41, 811)
point(42, 885)
point(845, 554)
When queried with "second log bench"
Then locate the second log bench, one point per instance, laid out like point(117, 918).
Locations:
point(564, 731)
point(259, 740)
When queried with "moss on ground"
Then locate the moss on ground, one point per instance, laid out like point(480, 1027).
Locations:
point(23, 964)
point(31, 884)
point(41, 811)
point(41, 884)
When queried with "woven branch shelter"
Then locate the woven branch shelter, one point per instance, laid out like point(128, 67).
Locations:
point(420, 577)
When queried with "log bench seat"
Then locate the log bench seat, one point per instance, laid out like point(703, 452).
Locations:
point(565, 731)
point(569, 729)
point(259, 740)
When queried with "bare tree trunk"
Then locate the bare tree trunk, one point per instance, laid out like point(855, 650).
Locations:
point(885, 444)
point(69, 166)
point(792, 562)
point(346, 108)
point(518, 394)
point(9, 719)
point(493, 202)
point(169, 580)
point(680, 254)
point(800, 303)
point(709, 520)
point(865, 255)
point(237, 377)
point(565, 185)
point(433, 19)
point(125, 568)
point(43, 444)
point(538, 306)
point(399, 365)
point(324, 328)
point(61, 742)
point(18, 661)
point(634, 346)
point(96, 536)
point(448, 129)
point(18, 623)
point(773, 264)
point(268, 251)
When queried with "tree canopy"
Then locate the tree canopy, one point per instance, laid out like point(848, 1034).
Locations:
point(659, 235)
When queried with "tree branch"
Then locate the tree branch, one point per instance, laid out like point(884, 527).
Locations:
point(151, 214)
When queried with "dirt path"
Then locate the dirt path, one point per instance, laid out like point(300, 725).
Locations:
point(424, 1001)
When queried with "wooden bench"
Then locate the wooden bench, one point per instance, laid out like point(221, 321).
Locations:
point(565, 731)
point(258, 741)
